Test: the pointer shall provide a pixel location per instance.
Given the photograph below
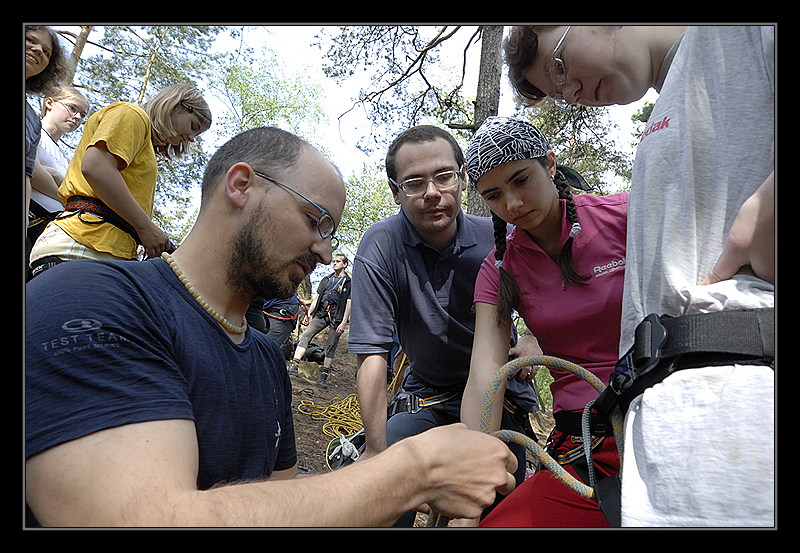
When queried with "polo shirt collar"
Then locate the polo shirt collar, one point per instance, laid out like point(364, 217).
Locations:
point(465, 235)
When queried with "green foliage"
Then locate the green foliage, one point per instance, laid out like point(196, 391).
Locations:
point(584, 138)
point(134, 63)
point(369, 199)
point(264, 92)
point(408, 81)
point(640, 118)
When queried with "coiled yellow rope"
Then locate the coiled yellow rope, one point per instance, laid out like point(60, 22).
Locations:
point(342, 416)
point(509, 436)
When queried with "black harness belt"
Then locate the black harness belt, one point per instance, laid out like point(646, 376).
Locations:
point(79, 205)
point(666, 344)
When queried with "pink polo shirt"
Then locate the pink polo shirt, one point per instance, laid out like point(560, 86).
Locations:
point(580, 324)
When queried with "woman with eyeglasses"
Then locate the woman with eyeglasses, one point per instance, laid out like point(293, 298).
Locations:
point(562, 269)
point(109, 188)
point(63, 111)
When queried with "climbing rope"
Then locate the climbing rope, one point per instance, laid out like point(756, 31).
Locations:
point(509, 436)
point(342, 417)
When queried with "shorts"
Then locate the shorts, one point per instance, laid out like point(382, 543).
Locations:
point(317, 325)
point(56, 242)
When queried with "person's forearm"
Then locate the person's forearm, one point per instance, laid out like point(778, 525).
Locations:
point(370, 493)
point(371, 382)
point(489, 353)
point(313, 307)
point(101, 171)
point(43, 181)
point(346, 317)
point(454, 470)
point(472, 405)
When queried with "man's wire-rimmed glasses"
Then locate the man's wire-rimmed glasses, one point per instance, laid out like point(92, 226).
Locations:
point(417, 185)
point(325, 224)
point(558, 72)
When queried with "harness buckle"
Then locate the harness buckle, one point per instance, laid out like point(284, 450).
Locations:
point(644, 355)
point(650, 336)
point(412, 404)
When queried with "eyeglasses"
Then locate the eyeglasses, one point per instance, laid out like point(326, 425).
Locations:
point(556, 69)
point(325, 224)
point(417, 185)
point(73, 110)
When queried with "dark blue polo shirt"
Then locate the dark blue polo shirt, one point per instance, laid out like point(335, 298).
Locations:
point(399, 282)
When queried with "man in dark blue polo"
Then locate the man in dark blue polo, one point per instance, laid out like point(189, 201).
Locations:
point(414, 274)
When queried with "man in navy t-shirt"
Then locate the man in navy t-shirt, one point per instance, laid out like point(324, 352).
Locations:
point(150, 403)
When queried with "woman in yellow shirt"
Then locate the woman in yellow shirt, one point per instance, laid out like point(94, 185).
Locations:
point(109, 188)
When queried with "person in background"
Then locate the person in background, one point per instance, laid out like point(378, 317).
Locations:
point(562, 269)
point(109, 188)
point(281, 320)
point(700, 254)
point(149, 401)
point(329, 309)
point(63, 112)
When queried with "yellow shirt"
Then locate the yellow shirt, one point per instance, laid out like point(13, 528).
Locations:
point(125, 129)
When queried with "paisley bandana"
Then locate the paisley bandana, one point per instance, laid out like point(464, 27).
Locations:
point(503, 139)
point(500, 140)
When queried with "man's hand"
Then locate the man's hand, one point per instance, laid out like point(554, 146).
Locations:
point(750, 246)
point(526, 346)
point(465, 469)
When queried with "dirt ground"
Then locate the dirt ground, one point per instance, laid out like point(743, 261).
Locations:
point(312, 442)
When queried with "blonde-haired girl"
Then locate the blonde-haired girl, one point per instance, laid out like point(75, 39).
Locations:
point(109, 188)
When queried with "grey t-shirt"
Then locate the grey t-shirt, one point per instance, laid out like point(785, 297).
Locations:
point(708, 146)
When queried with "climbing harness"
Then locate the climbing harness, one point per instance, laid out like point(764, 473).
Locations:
point(412, 403)
point(81, 205)
point(666, 344)
point(285, 315)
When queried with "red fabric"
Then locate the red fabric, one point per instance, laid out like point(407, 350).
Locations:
point(545, 501)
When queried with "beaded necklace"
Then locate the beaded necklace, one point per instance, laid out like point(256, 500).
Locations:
point(227, 325)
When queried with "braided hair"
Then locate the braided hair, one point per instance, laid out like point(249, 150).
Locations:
point(508, 293)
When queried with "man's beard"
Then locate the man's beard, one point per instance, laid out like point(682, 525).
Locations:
point(253, 271)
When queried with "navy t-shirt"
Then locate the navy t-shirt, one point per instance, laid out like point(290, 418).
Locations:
point(116, 343)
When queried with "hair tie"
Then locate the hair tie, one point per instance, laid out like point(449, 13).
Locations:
point(576, 228)
point(498, 264)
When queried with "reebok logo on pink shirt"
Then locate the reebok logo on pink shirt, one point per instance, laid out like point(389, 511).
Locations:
point(609, 268)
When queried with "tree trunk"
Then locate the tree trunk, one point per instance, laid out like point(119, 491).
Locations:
point(77, 50)
point(153, 56)
point(487, 99)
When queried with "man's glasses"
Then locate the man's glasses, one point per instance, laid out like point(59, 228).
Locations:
point(326, 226)
point(558, 72)
point(417, 185)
